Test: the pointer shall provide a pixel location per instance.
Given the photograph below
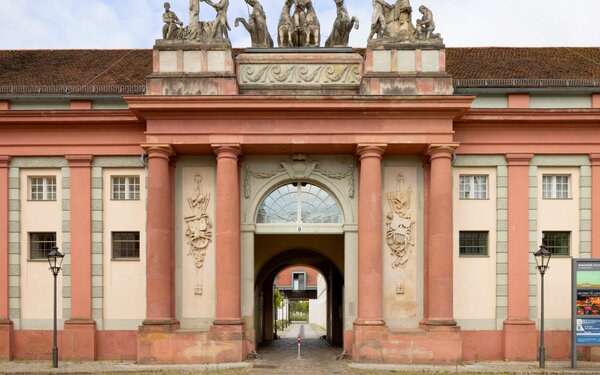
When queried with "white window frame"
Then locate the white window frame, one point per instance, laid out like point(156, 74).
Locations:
point(553, 192)
point(48, 186)
point(130, 194)
point(300, 287)
point(472, 193)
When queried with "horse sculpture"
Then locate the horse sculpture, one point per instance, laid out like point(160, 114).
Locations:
point(285, 28)
point(256, 26)
point(342, 26)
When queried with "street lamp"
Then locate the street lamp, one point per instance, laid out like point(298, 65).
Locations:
point(55, 259)
point(542, 258)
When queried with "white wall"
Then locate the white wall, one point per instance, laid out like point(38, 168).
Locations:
point(475, 276)
point(317, 308)
point(124, 280)
point(36, 279)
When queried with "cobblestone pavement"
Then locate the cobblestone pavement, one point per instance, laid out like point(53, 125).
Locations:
point(317, 357)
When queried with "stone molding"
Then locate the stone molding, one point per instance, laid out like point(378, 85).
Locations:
point(299, 74)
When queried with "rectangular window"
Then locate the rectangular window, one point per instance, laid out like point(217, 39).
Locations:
point(299, 281)
point(473, 243)
point(125, 187)
point(42, 188)
point(40, 244)
point(555, 187)
point(558, 243)
point(126, 245)
point(473, 187)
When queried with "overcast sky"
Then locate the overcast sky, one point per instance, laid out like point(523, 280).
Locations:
point(60, 24)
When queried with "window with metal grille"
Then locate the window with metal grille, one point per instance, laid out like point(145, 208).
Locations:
point(558, 243)
point(42, 188)
point(473, 187)
point(555, 187)
point(40, 244)
point(125, 187)
point(474, 243)
point(126, 245)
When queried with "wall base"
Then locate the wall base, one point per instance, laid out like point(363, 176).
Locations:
point(520, 340)
point(7, 338)
point(221, 344)
point(79, 340)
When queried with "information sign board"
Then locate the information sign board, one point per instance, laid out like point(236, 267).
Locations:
point(585, 312)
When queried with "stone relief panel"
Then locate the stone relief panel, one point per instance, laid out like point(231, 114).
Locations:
point(400, 238)
point(198, 249)
point(294, 74)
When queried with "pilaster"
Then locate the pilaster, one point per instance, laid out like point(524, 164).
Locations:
point(6, 325)
point(519, 330)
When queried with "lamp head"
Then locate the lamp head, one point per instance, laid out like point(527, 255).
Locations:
point(542, 258)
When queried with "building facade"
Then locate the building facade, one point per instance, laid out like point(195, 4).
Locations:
point(180, 181)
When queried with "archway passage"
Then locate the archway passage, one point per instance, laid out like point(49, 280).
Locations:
point(274, 253)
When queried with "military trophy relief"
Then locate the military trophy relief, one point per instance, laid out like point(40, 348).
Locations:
point(393, 24)
point(198, 231)
point(197, 31)
point(399, 229)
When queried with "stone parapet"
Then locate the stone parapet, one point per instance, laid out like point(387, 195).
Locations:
point(294, 71)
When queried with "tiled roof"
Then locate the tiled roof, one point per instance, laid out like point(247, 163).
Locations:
point(524, 67)
point(74, 71)
point(125, 71)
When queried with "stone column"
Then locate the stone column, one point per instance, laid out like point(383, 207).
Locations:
point(158, 240)
point(6, 325)
point(227, 235)
point(595, 159)
point(439, 257)
point(79, 335)
point(370, 308)
point(519, 331)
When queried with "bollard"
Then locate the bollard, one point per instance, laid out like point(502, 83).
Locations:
point(299, 344)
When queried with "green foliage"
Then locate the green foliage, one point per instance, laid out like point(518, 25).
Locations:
point(278, 299)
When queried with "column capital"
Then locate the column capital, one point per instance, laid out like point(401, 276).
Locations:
point(79, 161)
point(370, 150)
point(435, 151)
point(164, 151)
point(594, 158)
point(232, 150)
point(4, 161)
point(519, 159)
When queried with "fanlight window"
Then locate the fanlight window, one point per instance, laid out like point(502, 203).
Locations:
point(296, 203)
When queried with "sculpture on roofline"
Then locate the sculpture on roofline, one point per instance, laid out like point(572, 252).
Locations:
point(342, 26)
point(197, 31)
point(301, 28)
point(257, 26)
point(393, 23)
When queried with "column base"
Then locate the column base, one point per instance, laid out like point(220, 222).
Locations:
point(520, 340)
point(159, 325)
point(439, 325)
point(7, 339)
point(368, 341)
point(79, 340)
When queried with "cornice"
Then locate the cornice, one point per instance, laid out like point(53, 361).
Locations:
point(530, 115)
point(68, 117)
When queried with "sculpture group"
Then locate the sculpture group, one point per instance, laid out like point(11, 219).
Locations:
point(299, 25)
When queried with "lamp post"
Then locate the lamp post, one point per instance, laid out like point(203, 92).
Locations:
point(55, 259)
point(542, 259)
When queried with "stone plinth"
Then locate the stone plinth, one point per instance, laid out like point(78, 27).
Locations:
point(406, 69)
point(6, 340)
point(311, 71)
point(79, 340)
point(187, 68)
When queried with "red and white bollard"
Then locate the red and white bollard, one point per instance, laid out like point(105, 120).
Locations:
point(299, 344)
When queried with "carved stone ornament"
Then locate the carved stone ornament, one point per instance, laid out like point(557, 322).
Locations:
point(342, 26)
point(197, 31)
point(298, 168)
point(198, 230)
point(300, 28)
point(292, 74)
point(399, 228)
point(256, 26)
point(393, 23)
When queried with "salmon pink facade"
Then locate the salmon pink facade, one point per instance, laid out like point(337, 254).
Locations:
point(181, 181)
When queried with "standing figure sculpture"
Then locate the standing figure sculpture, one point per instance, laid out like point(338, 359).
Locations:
point(378, 21)
point(285, 28)
point(299, 19)
point(426, 25)
point(312, 27)
point(392, 22)
point(342, 26)
point(172, 26)
point(257, 26)
point(194, 11)
point(220, 25)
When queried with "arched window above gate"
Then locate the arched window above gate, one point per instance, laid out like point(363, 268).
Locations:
point(299, 202)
